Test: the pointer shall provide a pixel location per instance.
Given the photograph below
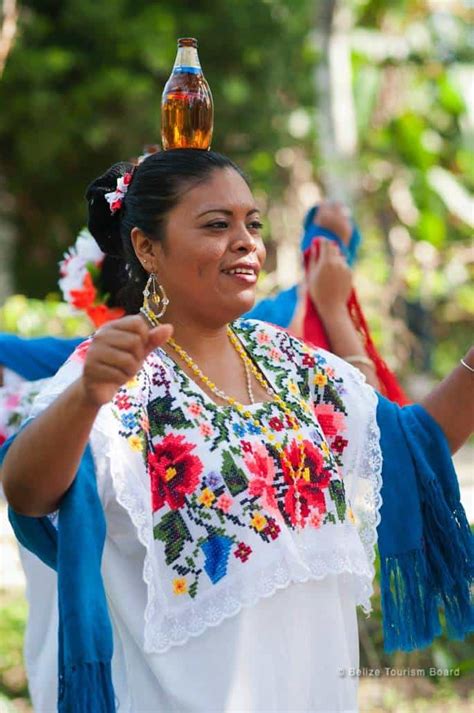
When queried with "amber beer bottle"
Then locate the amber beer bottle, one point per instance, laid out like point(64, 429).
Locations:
point(186, 104)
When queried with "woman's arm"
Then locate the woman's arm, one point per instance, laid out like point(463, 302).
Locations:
point(451, 403)
point(42, 462)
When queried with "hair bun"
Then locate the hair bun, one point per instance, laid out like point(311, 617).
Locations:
point(103, 225)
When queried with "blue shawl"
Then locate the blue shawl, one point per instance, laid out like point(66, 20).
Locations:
point(37, 357)
point(424, 540)
point(280, 309)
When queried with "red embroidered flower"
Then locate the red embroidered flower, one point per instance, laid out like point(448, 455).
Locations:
point(101, 314)
point(206, 430)
point(246, 446)
point(276, 424)
point(308, 360)
point(308, 488)
point(315, 519)
point(122, 401)
point(224, 503)
point(243, 551)
point(195, 409)
point(339, 444)
point(174, 472)
point(262, 467)
point(83, 298)
point(263, 338)
point(272, 529)
point(332, 422)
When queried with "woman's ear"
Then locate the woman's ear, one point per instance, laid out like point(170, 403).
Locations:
point(142, 245)
point(147, 251)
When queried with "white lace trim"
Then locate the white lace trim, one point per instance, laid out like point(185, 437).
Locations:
point(368, 467)
point(230, 600)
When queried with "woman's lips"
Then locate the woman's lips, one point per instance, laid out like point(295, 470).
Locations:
point(245, 278)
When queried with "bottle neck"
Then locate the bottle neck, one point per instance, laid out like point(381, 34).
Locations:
point(187, 60)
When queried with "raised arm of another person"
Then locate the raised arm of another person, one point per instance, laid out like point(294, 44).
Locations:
point(329, 283)
point(41, 463)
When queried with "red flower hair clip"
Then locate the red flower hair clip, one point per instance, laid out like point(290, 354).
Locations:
point(115, 198)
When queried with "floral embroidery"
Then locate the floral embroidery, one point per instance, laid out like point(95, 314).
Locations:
point(332, 422)
point(224, 503)
point(320, 379)
point(243, 551)
point(258, 522)
point(206, 498)
point(248, 496)
point(174, 472)
point(262, 467)
point(180, 586)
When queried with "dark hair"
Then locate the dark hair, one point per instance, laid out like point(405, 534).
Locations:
point(156, 188)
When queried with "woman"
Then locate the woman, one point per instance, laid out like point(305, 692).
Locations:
point(231, 463)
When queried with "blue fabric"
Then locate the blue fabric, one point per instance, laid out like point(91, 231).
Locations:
point(280, 310)
point(425, 547)
point(311, 231)
point(75, 551)
point(277, 310)
point(425, 542)
point(35, 358)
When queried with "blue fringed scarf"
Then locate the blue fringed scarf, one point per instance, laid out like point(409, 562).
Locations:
point(75, 549)
point(425, 543)
point(425, 546)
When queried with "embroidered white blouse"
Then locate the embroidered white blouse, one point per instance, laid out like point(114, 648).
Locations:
point(233, 579)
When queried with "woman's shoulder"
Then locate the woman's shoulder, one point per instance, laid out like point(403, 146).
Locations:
point(276, 338)
point(278, 344)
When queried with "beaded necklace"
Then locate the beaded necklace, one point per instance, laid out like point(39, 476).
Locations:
point(249, 365)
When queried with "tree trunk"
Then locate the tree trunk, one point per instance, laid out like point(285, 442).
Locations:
point(336, 117)
point(7, 30)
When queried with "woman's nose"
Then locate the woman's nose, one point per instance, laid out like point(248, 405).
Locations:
point(244, 240)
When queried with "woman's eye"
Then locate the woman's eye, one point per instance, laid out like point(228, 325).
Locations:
point(256, 225)
point(219, 224)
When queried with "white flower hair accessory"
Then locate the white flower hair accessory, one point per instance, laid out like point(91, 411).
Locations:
point(79, 273)
point(115, 198)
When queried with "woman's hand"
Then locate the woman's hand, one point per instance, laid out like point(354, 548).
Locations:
point(117, 352)
point(328, 278)
point(335, 217)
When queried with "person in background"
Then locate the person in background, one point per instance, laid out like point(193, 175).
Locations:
point(324, 309)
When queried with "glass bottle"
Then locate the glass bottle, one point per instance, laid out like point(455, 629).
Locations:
point(187, 109)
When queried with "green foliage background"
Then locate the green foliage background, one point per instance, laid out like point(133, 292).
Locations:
point(82, 88)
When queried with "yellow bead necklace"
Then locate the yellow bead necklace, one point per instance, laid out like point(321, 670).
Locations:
point(241, 408)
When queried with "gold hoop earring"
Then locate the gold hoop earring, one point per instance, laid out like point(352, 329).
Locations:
point(155, 301)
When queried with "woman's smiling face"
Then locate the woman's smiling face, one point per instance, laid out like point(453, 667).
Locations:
point(212, 253)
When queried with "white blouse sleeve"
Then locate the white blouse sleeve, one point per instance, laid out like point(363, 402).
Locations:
point(70, 371)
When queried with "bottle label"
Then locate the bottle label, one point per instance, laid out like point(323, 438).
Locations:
point(187, 70)
point(187, 57)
